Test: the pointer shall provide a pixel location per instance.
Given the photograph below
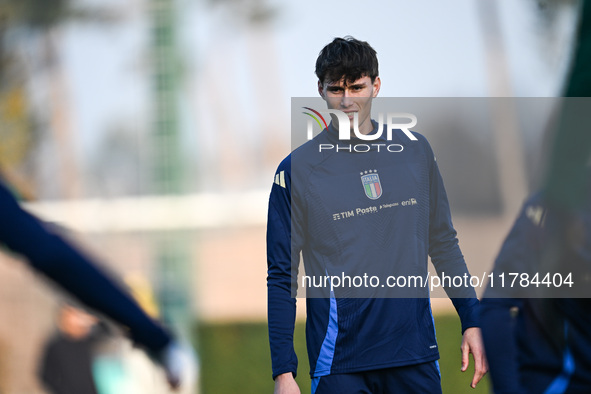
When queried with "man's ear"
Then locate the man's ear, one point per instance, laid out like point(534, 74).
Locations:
point(377, 83)
point(321, 89)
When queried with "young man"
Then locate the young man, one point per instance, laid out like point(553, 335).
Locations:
point(49, 254)
point(367, 340)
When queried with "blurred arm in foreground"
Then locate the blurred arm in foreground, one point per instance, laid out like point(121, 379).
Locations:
point(76, 273)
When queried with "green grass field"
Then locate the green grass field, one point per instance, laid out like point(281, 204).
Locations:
point(235, 358)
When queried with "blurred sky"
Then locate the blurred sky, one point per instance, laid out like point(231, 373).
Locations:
point(425, 48)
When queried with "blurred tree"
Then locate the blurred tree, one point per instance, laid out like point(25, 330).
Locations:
point(253, 12)
point(117, 163)
point(555, 28)
point(252, 23)
point(24, 23)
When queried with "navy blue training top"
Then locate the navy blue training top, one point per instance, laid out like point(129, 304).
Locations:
point(56, 259)
point(373, 208)
point(536, 345)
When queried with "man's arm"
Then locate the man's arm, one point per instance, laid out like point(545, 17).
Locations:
point(51, 255)
point(520, 249)
point(286, 384)
point(444, 249)
point(447, 258)
point(498, 335)
point(76, 273)
point(282, 277)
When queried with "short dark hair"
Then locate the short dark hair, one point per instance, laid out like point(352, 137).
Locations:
point(346, 57)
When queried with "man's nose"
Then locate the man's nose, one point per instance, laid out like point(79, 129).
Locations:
point(346, 100)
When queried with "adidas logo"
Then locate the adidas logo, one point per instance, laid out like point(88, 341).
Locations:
point(280, 179)
point(536, 214)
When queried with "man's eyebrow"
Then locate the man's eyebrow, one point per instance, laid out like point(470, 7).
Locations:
point(357, 85)
point(352, 86)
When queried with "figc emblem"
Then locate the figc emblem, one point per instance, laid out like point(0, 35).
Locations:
point(371, 184)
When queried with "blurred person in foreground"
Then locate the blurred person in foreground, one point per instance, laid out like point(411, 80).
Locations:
point(55, 258)
point(66, 363)
point(539, 339)
point(537, 333)
point(362, 343)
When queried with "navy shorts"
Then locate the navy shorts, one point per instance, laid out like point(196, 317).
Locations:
point(419, 378)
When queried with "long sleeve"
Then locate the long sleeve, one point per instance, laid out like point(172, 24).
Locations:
point(76, 273)
point(498, 324)
point(282, 263)
point(498, 335)
point(445, 251)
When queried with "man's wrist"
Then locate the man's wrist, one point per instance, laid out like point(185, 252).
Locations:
point(285, 376)
point(470, 326)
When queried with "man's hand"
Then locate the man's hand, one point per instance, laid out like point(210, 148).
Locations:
point(472, 343)
point(179, 364)
point(286, 384)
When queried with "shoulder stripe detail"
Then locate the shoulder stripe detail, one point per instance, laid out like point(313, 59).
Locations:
point(280, 179)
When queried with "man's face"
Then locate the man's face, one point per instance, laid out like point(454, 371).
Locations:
point(352, 98)
point(76, 323)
